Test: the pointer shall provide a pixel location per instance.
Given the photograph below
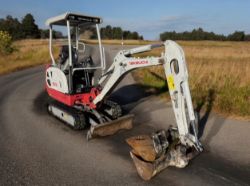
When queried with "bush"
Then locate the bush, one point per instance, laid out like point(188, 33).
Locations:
point(5, 43)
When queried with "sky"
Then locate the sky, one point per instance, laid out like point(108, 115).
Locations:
point(148, 17)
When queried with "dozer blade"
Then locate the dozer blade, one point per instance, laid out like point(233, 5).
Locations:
point(110, 128)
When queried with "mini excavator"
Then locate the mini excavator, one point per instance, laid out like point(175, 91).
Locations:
point(81, 103)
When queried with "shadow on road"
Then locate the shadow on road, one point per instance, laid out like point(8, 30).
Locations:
point(129, 96)
point(134, 94)
point(40, 103)
point(207, 102)
point(204, 108)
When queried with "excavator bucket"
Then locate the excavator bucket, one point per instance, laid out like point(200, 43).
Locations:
point(142, 146)
point(152, 154)
point(110, 128)
point(145, 169)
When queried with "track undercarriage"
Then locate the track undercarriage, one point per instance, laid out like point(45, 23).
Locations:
point(104, 121)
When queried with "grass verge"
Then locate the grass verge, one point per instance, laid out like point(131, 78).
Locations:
point(119, 42)
point(219, 76)
point(31, 52)
point(27, 53)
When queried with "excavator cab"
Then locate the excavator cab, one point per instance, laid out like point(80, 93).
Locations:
point(74, 61)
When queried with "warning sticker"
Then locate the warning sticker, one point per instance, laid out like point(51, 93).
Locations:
point(171, 84)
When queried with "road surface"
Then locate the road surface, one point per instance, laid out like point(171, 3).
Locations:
point(37, 149)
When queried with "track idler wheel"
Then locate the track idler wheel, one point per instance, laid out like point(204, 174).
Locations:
point(152, 154)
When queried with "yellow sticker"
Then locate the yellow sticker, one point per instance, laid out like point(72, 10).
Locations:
point(171, 84)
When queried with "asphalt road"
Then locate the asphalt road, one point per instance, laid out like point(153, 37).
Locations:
point(37, 149)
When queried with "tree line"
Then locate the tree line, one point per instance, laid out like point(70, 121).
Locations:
point(28, 29)
point(110, 32)
point(200, 34)
point(25, 29)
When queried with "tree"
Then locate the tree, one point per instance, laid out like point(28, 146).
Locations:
point(195, 34)
point(44, 34)
point(12, 26)
point(135, 35)
point(110, 32)
point(125, 34)
point(29, 28)
point(5, 43)
point(237, 36)
point(247, 37)
point(117, 33)
point(57, 34)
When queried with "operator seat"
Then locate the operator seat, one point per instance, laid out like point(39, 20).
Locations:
point(88, 62)
point(82, 79)
point(64, 57)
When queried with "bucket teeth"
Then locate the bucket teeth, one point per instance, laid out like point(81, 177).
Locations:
point(110, 128)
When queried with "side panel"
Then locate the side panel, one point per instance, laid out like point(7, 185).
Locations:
point(70, 100)
point(56, 79)
point(61, 97)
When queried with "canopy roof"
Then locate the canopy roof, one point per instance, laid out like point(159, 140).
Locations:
point(75, 20)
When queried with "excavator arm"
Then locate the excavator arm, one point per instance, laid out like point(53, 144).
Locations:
point(173, 62)
point(172, 147)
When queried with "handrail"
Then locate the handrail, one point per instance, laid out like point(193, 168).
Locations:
point(50, 46)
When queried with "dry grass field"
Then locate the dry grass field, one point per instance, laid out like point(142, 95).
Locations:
point(219, 75)
point(32, 52)
point(219, 71)
point(119, 42)
point(27, 53)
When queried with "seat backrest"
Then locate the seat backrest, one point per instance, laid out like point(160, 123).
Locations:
point(64, 55)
